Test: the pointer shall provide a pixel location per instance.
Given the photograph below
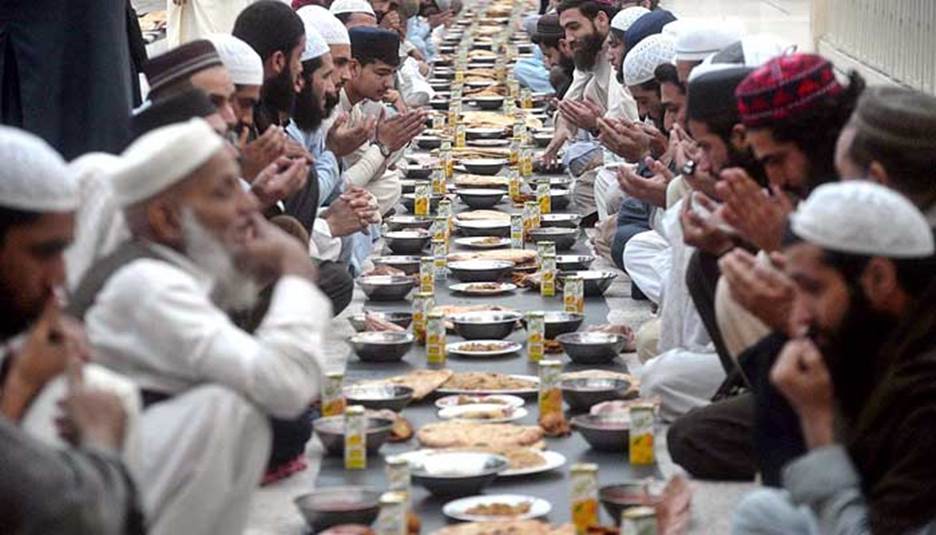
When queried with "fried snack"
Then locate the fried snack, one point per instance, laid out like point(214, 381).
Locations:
point(486, 414)
point(487, 381)
point(459, 434)
point(517, 457)
point(373, 322)
point(522, 258)
point(552, 347)
point(402, 429)
point(515, 527)
point(500, 509)
point(472, 400)
point(482, 346)
point(555, 425)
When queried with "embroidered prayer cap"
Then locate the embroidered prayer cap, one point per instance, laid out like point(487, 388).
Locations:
point(161, 158)
point(175, 109)
point(375, 43)
point(240, 59)
point(698, 38)
point(180, 63)
point(327, 25)
point(848, 217)
point(351, 6)
point(647, 25)
point(315, 45)
point(897, 117)
point(34, 177)
point(784, 87)
point(711, 94)
point(625, 18)
point(642, 60)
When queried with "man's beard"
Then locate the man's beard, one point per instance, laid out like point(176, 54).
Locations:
point(307, 110)
point(586, 55)
point(853, 353)
point(233, 290)
point(745, 159)
point(15, 320)
point(278, 93)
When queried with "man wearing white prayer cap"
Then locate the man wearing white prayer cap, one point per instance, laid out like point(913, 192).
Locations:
point(246, 70)
point(157, 310)
point(354, 13)
point(56, 488)
point(638, 71)
point(335, 34)
point(698, 38)
point(858, 373)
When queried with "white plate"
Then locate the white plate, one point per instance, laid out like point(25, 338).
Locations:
point(509, 348)
point(457, 413)
point(457, 509)
point(452, 401)
point(467, 289)
point(489, 142)
point(478, 242)
point(554, 460)
point(533, 390)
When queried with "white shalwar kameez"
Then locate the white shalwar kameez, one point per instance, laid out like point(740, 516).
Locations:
point(189, 20)
point(205, 448)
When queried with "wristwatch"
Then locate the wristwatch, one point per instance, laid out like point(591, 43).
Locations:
point(384, 150)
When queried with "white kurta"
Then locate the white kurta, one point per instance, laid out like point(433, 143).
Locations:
point(366, 167)
point(647, 259)
point(196, 19)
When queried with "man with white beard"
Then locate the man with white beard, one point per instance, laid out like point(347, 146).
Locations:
point(157, 311)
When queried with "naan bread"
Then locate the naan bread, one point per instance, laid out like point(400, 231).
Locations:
point(486, 119)
point(477, 181)
point(520, 257)
point(513, 527)
point(423, 382)
point(481, 54)
point(456, 434)
point(483, 215)
point(451, 310)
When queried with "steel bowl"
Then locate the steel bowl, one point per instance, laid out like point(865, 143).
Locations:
point(603, 433)
point(408, 185)
point(480, 198)
point(558, 322)
point(560, 220)
point(462, 480)
point(408, 264)
point(480, 270)
point(489, 103)
point(555, 182)
point(594, 283)
point(618, 498)
point(379, 396)
point(429, 142)
point(408, 242)
point(581, 394)
point(488, 227)
point(574, 262)
point(327, 507)
point(560, 198)
point(592, 347)
point(564, 238)
point(419, 173)
point(485, 166)
point(439, 104)
point(403, 319)
point(440, 84)
point(331, 431)
point(542, 140)
point(381, 346)
point(485, 325)
point(443, 73)
point(386, 287)
point(409, 201)
point(409, 222)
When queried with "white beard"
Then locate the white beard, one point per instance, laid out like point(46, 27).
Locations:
point(233, 290)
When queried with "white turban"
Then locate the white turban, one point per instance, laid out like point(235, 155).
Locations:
point(628, 16)
point(642, 60)
point(240, 59)
point(162, 157)
point(315, 46)
point(698, 38)
point(351, 6)
point(863, 218)
point(33, 176)
point(327, 25)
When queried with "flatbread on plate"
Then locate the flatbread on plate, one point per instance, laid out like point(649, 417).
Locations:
point(423, 382)
point(458, 434)
point(513, 527)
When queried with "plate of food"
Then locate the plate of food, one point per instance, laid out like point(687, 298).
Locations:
point(423, 382)
point(526, 527)
point(483, 242)
point(483, 413)
point(462, 399)
point(482, 348)
point(497, 507)
point(490, 383)
point(470, 435)
point(483, 288)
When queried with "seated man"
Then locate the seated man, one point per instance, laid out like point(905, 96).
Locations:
point(861, 371)
point(157, 311)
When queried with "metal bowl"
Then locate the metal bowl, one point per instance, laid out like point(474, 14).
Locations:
point(403, 319)
point(429, 142)
point(603, 433)
point(485, 166)
point(581, 394)
point(564, 238)
point(409, 222)
point(443, 73)
point(386, 287)
point(381, 346)
point(333, 506)
point(618, 498)
point(488, 227)
point(489, 103)
point(418, 173)
point(574, 262)
point(408, 185)
point(439, 104)
point(409, 201)
point(560, 220)
point(485, 325)
point(480, 198)
point(440, 84)
point(408, 264)
point(461, 481)
point(555, 182)
point(542, 140)
point(480, 270)
point(558, 322)
point(591, 347)
point(379, 396)
point(331, 431)
point(595, 283)
point(408, 242)
point(560, 198)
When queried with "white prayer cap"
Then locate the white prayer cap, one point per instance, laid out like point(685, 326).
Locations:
point(751, 51)
point(240, 59)
point(162, 157)
point(351, 6)
point(698, 38)
point(863, 218)
point(628, 16)
point(327, 25)
point(33, 176)
point(646, 56)
point(315, 46)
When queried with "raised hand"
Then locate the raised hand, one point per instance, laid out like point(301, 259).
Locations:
point(271, 253)
point(582, 113)
point(90, 417)
point(759, 218)
point(256, 155)
point(801, 375)
point(703, 232)
point(624, 138)
point(650, 190)
point(279, 180)
point(344, 138)
point(395, 132)
point(763, 290)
